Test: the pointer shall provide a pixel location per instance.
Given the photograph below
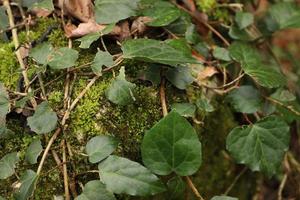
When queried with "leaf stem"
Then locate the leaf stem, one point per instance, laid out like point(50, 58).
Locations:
point(193, 188)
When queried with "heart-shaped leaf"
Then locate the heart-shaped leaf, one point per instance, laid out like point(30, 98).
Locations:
point(244, 19)
point(33, 151)
point(121, 175)
point(27, 185)
point(41, 52)
point(260, 146)
point(184, 109)
point(180, 76)
point(44, 119)
point(101, 59)
point(8, 164)
point(62, 58)
point(95, 190)
point(100, 147)
point(88, 39)
point(172, 145)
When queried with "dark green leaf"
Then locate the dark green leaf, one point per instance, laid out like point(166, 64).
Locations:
point(4, 102)
point(172, 145)
point(87, 40)
point(27, 185)
point(41, 53)
point(44, 119)
point(62, 58)
point(184, 109)
point(221, 54)
point(8, 164)
point(191, 34)
point(100, 147)
point(151, 73)
point(121, 175)
point(237, 34)
point(180, 76)
point(223, 198)
point(204, 105)
point(101, 59)
point(245, 99)
point(5, 132)
point(33, 151)
point(260, 146)
point(149, 50)
point(111, 11)
point(244, 19)
point(121, 91)
point(162, 13)
point(95, 190)
point(286, 15)
point(176, 188)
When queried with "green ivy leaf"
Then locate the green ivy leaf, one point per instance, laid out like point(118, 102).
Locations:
point(244, 19)
point(204, 104)
point(238, 34)
point(95, 190)
point(33, 151)
point(44, 4)
point(121, 175)
point(8, 164)
point(252, 65)
point(41, 52)
point(162, 13)
point(27, 185)
point(286, 15)
point(245, 99)
point(221, 54)
point(62, 58)
point(3, 18)
point(180, 76)
point(112, 11)
point(176, 188)
point(120, 91)
point(5, 132)
point(151, 73)
point(283, 95)
point(172, 145)
point(100, 147)
point(102, 58)
point(223, 198)
point(260, 146)
point(87, 40)
point(4, 102)
point(44, 119)
point(184, 109)
point(155, 51)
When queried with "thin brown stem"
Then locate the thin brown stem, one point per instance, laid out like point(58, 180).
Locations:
point(235, 181)
point(193, 188)
point(163, 97)
point(65, 172)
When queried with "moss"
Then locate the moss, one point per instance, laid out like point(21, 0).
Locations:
point(206, 5)
point(55, 98)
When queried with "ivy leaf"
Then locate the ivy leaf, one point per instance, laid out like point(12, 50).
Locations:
point(245, 99)
point(260, 146)
point(112, 11)
point(252, 65)
point(62, 58)
point(244, 19)
point(286, 15)
point(223, 198)
point(176, 188)
point(8, 164)
point(184, 109)
point(95, 190)
point(27, 185)
point(238, 34)
point(41, 52)
point(121, 175)
point(102, 58)
point(121, 91)
point(87, 40)
point(204, 105)
point(283, 95)
point(4, 102)
point(155, 51)
point(100, 147)
point(180, 76)
point(33, 151)
point(221, 54)
point(5, 132)
point(151, 73)
point(172, 145)
point(44, 119)
point(162, 13)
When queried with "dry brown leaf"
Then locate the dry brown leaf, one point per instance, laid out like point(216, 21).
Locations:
point(206, 73)
point(139, 25)
point(83, 29)
point(80, 9)
point(41, 12)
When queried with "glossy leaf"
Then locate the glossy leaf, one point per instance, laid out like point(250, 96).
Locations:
point(121, 91)
point(111, 11)
point(172, 145)
point(62, 58)
point(176, 188)
point(101, 59)
point(95, 190)
point(252, 65)
point(27, 185)
point(223, 198)
point(33, 151)
point(8, 164)
point(221, 54)
point(260, 146)
point(244, 19)
point(100, 147)
point(184, 109)
point(162, 13)
point(180, 76)
point(44, 119)
point(155, 51)
point(121, 175)
point(245, 99)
